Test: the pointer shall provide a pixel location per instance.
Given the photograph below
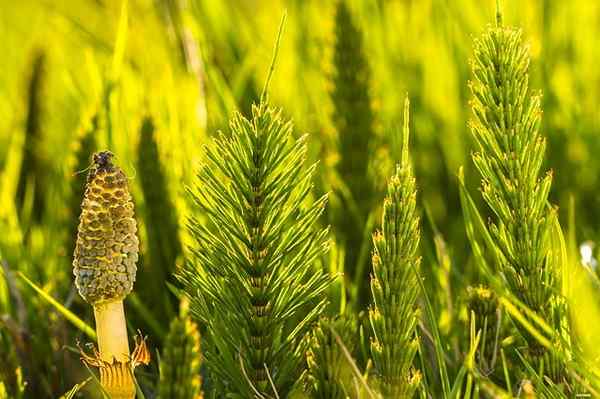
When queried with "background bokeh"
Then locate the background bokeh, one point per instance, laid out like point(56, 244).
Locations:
point(68, 67)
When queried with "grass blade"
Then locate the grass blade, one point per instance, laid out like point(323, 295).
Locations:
point(76, 321)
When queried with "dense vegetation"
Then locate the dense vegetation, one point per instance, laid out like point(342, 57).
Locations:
point(432, 235)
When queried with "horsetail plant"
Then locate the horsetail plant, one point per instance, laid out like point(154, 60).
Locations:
point(252, 279)
point(354, 121)
point(506, 129)
point(394, 283)
point(104, 266)
point(329, 374)
point(181, 359)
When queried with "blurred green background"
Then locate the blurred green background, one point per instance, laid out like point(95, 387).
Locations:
point(71, 67)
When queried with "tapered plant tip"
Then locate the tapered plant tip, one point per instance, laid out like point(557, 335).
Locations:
point(265, 92)
point(498, 13)
point(404, 160)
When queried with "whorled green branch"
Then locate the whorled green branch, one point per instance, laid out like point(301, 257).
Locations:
point(252, 279)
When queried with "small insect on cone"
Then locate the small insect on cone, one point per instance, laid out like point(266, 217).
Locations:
point(104, 266)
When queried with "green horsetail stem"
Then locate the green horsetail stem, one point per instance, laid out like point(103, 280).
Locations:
point(104, 266)
point(506, 128)
point(394, 283)
point(354, 121)
point(181, 360)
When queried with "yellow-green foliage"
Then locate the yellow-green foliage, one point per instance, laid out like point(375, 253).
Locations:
point(253, 259)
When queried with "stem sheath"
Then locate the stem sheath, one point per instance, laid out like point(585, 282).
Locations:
point(114, 349)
